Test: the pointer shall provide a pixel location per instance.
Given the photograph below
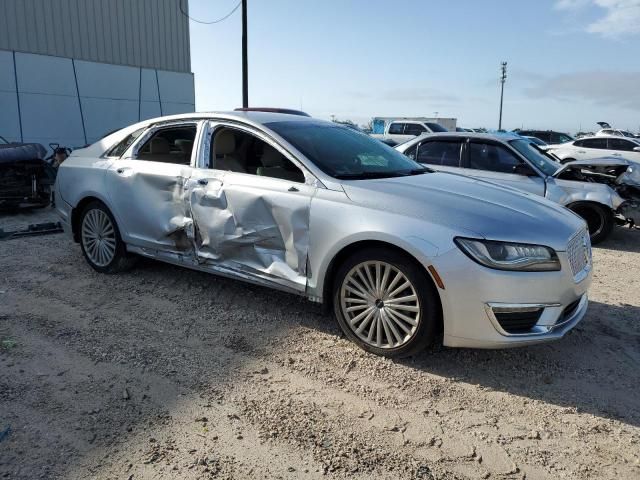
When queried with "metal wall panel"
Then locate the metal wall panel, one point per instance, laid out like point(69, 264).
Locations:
point(142, 33)
point(73, 102)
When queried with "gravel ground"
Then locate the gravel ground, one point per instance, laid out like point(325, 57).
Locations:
point(167, 373)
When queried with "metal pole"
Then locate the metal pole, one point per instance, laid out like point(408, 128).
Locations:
point(245, 67)
point(503, 77)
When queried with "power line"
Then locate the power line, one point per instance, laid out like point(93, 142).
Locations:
point(212, 22)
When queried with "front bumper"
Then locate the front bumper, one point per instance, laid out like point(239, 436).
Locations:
point(474, 293)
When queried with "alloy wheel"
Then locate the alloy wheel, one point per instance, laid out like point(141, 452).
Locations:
point(380, 304)
point(98, 237)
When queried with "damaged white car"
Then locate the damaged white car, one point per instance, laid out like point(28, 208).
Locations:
point(603, 191)
point(401, 253)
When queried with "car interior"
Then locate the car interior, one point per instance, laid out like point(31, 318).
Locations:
point(169, 145)
point(237, 151)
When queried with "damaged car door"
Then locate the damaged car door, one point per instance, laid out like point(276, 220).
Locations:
point(146, 187)
point(250, 203)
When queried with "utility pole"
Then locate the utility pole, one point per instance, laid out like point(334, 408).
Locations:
point(245, 67)
point(503, 78)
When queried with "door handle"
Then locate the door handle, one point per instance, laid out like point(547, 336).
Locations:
point(120, 170)
point(616, 154)
point(293, 189)
point(203, 181)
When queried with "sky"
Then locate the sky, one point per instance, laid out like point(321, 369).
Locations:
point(571, 63)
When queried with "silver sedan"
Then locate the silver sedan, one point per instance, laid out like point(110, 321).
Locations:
point(401, 253)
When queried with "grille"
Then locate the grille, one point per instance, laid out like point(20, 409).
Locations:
point(579, 252)
point(520, 321)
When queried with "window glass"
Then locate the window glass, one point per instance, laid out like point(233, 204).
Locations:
point(621, 144)
point(440, 153)
point(436, 127)
point(396, 128)
point(119, 149)
point(414, 129)
point(344, 153)
point(594, 143)
point(411, 152)
point(485, 156)
point(170, 145)
point(562, 138)
point(238, 151)
point(538, 157)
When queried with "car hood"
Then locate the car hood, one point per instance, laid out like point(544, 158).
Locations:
point(471, 206)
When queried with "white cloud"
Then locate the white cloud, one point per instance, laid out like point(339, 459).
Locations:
point(621, 17)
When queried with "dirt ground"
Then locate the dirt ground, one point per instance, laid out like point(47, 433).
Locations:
point(167, 373)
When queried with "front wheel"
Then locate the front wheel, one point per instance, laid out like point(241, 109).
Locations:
point(100, 240)
point(599, 218)
point(385, 303)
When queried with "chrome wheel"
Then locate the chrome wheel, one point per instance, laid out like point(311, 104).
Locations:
point(380, 304)
point(98, 237)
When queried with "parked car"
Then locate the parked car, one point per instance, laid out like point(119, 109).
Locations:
point(400, 131)
point(548, 136)
point(615, 132)
point(537, 141)
point(399, 251)
point(26, 178)
point(588, 148)
point(598, 190)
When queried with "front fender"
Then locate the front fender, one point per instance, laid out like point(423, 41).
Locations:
point(566, 192)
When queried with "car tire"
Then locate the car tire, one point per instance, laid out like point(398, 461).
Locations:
point(388, 320)
point(600, 219)
point(100, 240)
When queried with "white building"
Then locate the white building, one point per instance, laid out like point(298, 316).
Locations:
point(73, 70)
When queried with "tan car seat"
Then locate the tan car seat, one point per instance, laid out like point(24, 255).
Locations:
point(224, 145)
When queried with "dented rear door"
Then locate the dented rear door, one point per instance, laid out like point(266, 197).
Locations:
point(252, 226)
point(147, 199)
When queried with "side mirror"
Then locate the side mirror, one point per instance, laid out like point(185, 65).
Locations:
point(524, 169)
point(636, 149)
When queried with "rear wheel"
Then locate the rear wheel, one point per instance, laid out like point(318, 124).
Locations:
point(100, 240)
point(385, 303)
point(599, 218)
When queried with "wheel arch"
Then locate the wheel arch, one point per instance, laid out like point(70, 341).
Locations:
point(348, 250)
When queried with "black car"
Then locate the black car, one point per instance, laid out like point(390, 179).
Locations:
point(549, 136)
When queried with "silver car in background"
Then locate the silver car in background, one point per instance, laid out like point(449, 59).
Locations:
point(401, 253)
point(603, 191)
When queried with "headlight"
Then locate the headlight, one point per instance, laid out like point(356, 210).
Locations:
point(510, 256)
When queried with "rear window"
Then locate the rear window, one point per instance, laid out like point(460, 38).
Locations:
point(119, 149)
point(436, 127)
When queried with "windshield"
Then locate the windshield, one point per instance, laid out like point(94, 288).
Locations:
point(436, 127)
point(345, 153)
point(2, 140)
point(536, 156)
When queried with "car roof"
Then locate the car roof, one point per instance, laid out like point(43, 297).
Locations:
point(500, 136)
point(617, 137)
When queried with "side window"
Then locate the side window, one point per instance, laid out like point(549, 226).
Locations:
point(238, 151)
point(494, 158)
point(620, 144)
point(595, 143)
point(544, 136)
point(440, 153)
point(578, 143)
point(562, 138)
point(414, 129)
point(119, 149)
point(411, 152)
point(169, 145)
point(396, 128)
